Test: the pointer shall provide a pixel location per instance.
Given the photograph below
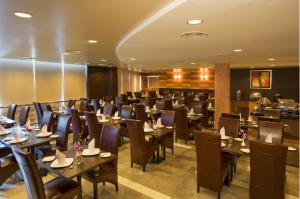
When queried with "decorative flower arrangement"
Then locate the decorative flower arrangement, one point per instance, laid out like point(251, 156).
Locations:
point(243, 134)
point(77, 147)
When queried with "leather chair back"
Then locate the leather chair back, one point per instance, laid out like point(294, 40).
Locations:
point(120, 104)
point(39, 113)
point(48, 119)
point(275, 128)
point(270, 119)
point(267, 170)
point(96, 104)
point(124, 98)
point(47, 107)
point(136, 135)
point(63, 130)
point(203, 97)
point(11, 113)
point(71, 103)
point(93, 127)
point(126, 112)
point(168, 104)
point(138, 95)
point(24, 112)
point(129, 94)
point(108, 99)
point(140, 113)
point(168, 118)
point(151, 102)
point(209, 167)
point(30, 173)
point(83, 105)
point(231, 126)
point(181, 123)
point(118, 100)
point(189, 100)
point(108, 108)
point(199, 108)
point(76, 124)
point(230, 115)
point(160, 105)
point(272, 113)
point(181, 100)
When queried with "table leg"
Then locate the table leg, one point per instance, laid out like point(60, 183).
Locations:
point(79, 182)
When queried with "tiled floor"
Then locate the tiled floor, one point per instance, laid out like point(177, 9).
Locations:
point(173, 178)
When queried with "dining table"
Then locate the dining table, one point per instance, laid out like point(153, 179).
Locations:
point(5, 121)
point(234, 147)
point(76, 169)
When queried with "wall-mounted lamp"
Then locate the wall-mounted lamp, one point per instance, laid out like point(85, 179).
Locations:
point(203, 74)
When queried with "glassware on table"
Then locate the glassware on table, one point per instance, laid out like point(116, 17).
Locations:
point(77, 149)
point(230, 141)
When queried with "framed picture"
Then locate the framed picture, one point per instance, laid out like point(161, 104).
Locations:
point(260, 79)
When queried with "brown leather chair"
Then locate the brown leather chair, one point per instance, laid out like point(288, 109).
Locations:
point(189, 100)
point(160, 105)
point(109, 171)
point(96, 104)
point(181, 100)
point(275, 128)
point(181, 125)
point(8, 166)
point(59, 187)
point(125, 114)
point(108, 99)
point(93, 127)
point(48, 119)
point(119, 105)
point(140, 113)
point(108, 108)
point(24, 112)
point(167, 119)
point(270, 119)
point(168, 104)
point(138, 95)
point(83, 105)
point(272, 113)
point(212, 169)
point(201, 108)
point(63, 129)
point(140, 150)
point(230, 115)
point(47, 107)
point(80, 130)
point(118, 100)
point(124, 98)
point(11, 111)
point(71, 103)
point(267, 170)
point(231, 126)
point(39, 113)
point(129, 94)
point(151, 102)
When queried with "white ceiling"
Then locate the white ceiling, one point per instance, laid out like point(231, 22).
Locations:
point(59, 25)
point(263, 29)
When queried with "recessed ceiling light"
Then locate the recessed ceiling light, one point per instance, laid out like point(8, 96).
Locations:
point(104, 60)
point(101, 64)
point(132, 59)
point(193, 63)
point(273, 65)
point(251, 66)
point(195, 21)
point(23, 15)
point(272, 59)
point(237, 50)
point(66, 53)
point(92, 41)
point(193, 34)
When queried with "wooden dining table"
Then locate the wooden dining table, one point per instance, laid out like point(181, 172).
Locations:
point(5, 121)
point(235, 149)
point(87, 163)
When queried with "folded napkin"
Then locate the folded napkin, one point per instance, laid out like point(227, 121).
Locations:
point(99, 112)
point(243, 143)
point(28, 124)
point(176, 103)
point(116, 115)
point(250, 119)
point(101, 102)
point(222, 132)
point(2, 129)
point(91, 145)
point(196, 98)
point(147, 108)
point(158, 122)
point(154, 106)
point(73, 107)
point(60, 157)
point(146, 126)
point(192, 111)
point(17, 135)
point(44, 130)
point(209, 105)
point(111, 102)
point(268, 138)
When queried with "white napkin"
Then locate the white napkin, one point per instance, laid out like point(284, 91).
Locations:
point(176, 103)
point(99, 112)
point(209, 105)
point(250, 119)
point(268, 138)
point(146, 126)
point(116, 115)
point(91, 145)
point(158, 122)
point(73, 107)
point(154, 106)
point(2, 129)
point(60, 157)
point(222, 132)
point(101, 101)
point(192, 111)
point(44, 130)
point(147, 108)
point(111, 102)
point(28, 124)
point(17, 135)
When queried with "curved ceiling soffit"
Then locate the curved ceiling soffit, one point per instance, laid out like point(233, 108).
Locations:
point(146, 23)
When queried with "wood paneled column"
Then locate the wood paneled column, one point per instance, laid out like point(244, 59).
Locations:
point(222, 90)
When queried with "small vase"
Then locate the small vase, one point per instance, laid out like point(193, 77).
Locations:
point(243, 143)
point(78, 158)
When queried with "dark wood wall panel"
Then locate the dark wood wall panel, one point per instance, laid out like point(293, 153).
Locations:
point(101, 82)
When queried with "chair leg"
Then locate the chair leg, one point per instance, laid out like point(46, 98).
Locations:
point(95, 187)
point(164, 152)
point(103, 183)
point(219, 195)
point(117, 187)
point(131, 164)
point(157, 158)
point(144, 168)
point(198, 188)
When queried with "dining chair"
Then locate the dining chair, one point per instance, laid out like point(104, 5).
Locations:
point(212, 169)
point(80, 130)
point(151, 102)
point(129, 94)
point(59, 187)
point(8, 165)
point(93, 127)
point(48, 119)
point(138, 95)
point(83, 106)
point(181, 100)
point(39, 113)
point(118, 100)
point(11, 113)
point(125, 114)
point(71, 103)
point(201, 108)
point(47, 107)
point(140, 150)
point(182, 129)
point(63, 129)
point(167, 119)
point(270, 119)
point(109, 171)
point(231, 115)
point(119, 105)
point(189, 100)
point(272, 113)
point(267, 170)
point(160, 105)
point(168, 104)
point(96, 104)
point(140, 113)
point(24, 112)
point(265, 128)
point(108, 108)
point(124, 98)
point(108, 99)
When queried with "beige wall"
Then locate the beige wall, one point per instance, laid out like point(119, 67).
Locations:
point(25, 81)
point(128, 80)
